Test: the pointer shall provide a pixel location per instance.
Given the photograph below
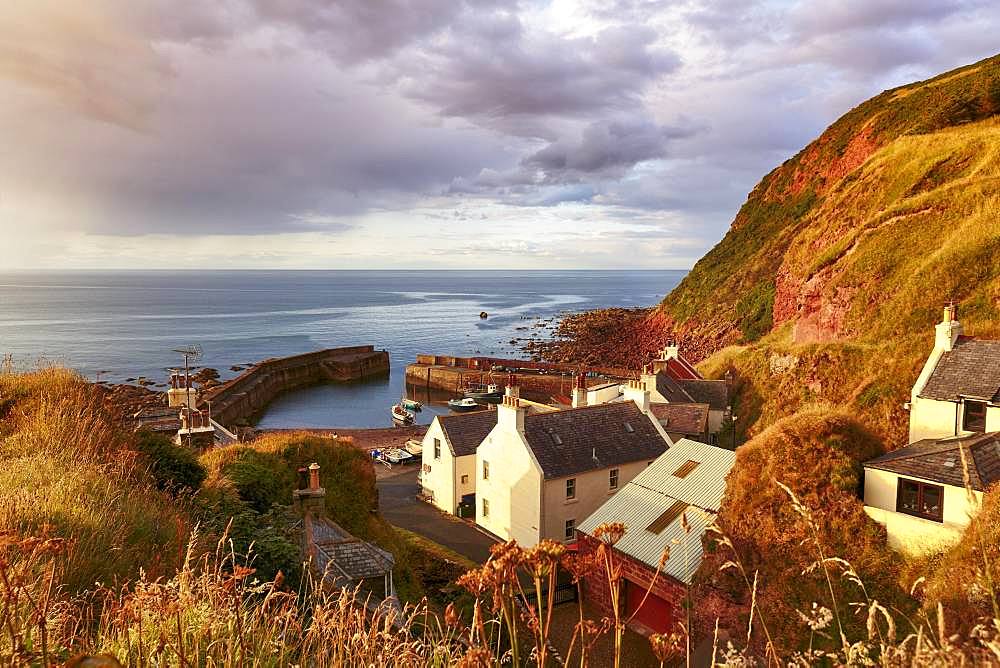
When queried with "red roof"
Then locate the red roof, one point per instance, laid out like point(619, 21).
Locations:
point(680, 369)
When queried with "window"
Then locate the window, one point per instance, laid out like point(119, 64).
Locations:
point(669, 515)
point(613, 478)
point(465, 480)
point(570, 529)
point(486, 507)
point(571, 488)
point(920, 499)
point(975, 416)
point(486, 470)
point(437, 448)
point(685, 469)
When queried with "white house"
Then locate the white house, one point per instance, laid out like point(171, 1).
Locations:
point(919, 492)
point(686, 405)
point(538, 475)
point(449, 457)
point(958, 390)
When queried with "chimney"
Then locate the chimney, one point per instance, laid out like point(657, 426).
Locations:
point(180, 393)
point(312, 499)
point(510, 414)
point(946, 332)
point(672, 351)
point(513, 389)
point(637, 392)
point(580, 391)
point(648, 379)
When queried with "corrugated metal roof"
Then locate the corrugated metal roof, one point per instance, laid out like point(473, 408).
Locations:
point(651, 493)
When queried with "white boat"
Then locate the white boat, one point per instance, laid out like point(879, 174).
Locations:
point(396, 456)
point(463, 405)
point(401, 416)
point(414, 447)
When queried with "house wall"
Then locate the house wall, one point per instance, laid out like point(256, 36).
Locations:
point(592, 491)
point(438, 475)
point(940, 419)
point(602, 395)
point(513, 489)
point(597, 592)
point(715, 419)
point(916, 535)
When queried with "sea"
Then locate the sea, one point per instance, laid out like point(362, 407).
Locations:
point(124, 325)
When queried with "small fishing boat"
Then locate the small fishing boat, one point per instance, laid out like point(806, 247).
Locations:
point(414, 447)
point(412, 404)
point(396, 456)
point(401, 416)
point(463, 405)
point(485, 393)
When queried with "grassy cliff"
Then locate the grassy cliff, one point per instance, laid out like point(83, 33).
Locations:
point(826, 288)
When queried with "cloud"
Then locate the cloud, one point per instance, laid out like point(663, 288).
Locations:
point(72, 52)
point(443, 120)
point(502, 75)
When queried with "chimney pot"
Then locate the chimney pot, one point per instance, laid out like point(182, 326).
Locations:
point(314, 476)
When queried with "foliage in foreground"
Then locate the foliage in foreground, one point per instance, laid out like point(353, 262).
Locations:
point(817, 455)
point(68, 472)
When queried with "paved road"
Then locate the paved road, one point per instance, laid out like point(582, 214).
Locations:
point(399, 505)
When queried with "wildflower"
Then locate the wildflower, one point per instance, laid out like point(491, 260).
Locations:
point(451, 617)
point(818, 619)
point(610, 532)
point(476, 657)
point(664, 645)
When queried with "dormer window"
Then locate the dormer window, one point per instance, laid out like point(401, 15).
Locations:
point(974, 418)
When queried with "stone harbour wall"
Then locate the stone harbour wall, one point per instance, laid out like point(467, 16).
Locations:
point(241, 399)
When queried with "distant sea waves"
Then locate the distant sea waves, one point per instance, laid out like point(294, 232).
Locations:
point(125, 324)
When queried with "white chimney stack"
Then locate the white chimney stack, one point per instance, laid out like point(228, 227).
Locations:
point(510, 414)
point(947, 331)
point(580, 391)
point(672, 351)
point(636, 391)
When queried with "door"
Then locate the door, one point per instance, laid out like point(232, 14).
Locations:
point(655, 614)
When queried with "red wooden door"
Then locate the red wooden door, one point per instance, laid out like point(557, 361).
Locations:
point(655, 613)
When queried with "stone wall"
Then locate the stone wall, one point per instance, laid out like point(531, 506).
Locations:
point(538, 381)
point(242, 399)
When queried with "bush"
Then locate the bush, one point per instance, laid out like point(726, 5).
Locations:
point(817, 454)
point(173, 467)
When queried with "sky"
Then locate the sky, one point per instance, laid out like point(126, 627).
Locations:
point(380, 134)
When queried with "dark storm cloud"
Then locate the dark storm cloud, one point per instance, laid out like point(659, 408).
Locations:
point(496, 72)
point(605, 147)
point(359, 30)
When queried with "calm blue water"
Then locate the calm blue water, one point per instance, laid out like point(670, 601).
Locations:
point(124, 324)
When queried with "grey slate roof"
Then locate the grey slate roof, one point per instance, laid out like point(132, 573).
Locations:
point(971, 369)
point(715, 393)
point(691, 419)
point(671, 390)
point(466, 431)
point(656, 489)
point(343, 558)
point(565, 442)
point(939, 460)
